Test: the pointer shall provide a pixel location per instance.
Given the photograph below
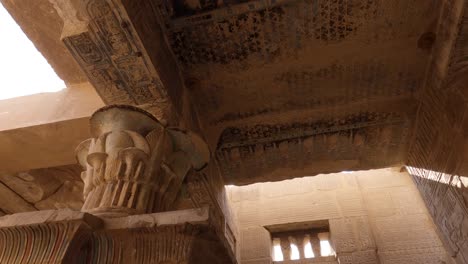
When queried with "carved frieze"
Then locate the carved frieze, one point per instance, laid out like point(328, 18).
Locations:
point(134, 164)
point(246, 154)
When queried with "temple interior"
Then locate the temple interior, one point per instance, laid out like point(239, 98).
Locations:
point(234, 131)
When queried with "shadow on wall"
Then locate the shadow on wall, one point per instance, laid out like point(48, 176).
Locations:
point(446, 197)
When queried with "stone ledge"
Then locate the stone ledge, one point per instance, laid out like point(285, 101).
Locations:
point(191, 216)
point(49, 216)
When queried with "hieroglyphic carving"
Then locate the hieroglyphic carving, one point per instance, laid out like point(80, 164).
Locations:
point(437, 155)
point(459, 52)
point(113, 59)
point(182, 243)
point(202, 190)
point(247, 153)
point(167, 244)
point(133, 163)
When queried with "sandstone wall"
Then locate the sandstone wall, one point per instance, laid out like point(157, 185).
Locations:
point(375, 217)
point(437, 162)
point(439, 150)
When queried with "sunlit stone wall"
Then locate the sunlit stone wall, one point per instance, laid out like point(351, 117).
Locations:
point(375, 216)
point(439, 150)
point(437, 161)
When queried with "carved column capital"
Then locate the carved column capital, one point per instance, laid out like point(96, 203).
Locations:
point(134, 164)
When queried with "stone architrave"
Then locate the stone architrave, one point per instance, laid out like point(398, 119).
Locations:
point(134, 164)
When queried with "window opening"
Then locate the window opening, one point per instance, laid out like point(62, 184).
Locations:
point(277, 252)
point(300, 241)
point(308, 252)
point(325, 247)
point(294, 249)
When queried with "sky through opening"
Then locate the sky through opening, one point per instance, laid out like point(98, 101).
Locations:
point(24, 71)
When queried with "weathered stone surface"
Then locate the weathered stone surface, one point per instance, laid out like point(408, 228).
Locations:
point(108, 47)
point(69, 195)
point(32, 189)
point(279, 89)
point(54, 122)
point(194, 216)
point(43, 189)
point(281, 71)
point(437, 156)
point(280, 151)
point(321, 72)
point(48, 216)
point(11, 202)
point(54, 141)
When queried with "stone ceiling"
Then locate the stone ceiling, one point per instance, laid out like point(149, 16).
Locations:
point(297, 55)
point(278, 88)
point(306, 86)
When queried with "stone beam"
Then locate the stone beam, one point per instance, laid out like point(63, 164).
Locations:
point(42, 130)
point(11, 202)
point(277, 152)
point(121, 48)
point(42, 146)
point(314, 142)
point(75, 101)
point(41, 189)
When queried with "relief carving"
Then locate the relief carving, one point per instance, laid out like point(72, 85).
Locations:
point(248, 153)
point(112, 57)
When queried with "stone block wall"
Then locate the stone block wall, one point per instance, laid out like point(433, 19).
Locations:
point(439, 150)
point(375, 216)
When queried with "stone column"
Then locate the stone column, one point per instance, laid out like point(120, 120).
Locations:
point(70, 237)
point(134, 164)
point(285, 248)
point(315, 242)
point(134, 169)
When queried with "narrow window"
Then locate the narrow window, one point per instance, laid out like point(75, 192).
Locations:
point(294, 252)
point(325, 247)
point(308, 252)
point(301, 241)
point(277, 253)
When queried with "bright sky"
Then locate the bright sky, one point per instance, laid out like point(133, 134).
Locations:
point(23, 70)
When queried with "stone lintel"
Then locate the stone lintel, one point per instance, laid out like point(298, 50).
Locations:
point(49, 216)
point(54, 141)
point(197, 216)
